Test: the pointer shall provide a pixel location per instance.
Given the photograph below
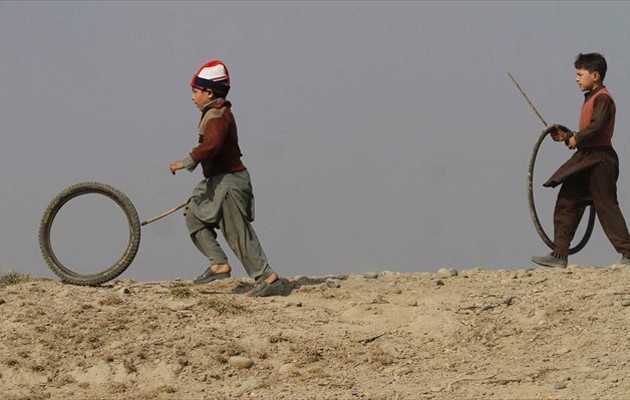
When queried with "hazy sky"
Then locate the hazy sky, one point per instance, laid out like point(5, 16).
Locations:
point(379, 135)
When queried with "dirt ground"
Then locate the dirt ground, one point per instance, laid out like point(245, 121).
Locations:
point(468, 334)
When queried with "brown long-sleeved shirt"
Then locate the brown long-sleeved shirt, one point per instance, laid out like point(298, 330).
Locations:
point(218, 151)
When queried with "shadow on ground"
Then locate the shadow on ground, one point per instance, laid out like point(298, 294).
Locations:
point(287, 286)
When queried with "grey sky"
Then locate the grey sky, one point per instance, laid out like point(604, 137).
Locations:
point(379, 135)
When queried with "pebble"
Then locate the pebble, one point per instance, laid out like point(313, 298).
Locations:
point(333, 283)
point(370, 275)
point(289, 369)
point(447, 272)
point(559, 385)
point(507, 299)
point(597, 375)
point(412, 303)
point(395, 290)
point(124, 291)
point(624, 303)
point(241, 362)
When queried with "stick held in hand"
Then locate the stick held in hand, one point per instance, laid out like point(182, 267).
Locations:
point(164, 214)
point(527, 98)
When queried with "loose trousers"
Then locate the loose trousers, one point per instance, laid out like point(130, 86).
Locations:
point(239, 235)
point(596, 186)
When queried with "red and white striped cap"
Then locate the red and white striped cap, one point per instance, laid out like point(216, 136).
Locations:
point(212, 75)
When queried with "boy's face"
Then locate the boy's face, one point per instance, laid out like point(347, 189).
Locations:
point(201, 97)
point(587, 80)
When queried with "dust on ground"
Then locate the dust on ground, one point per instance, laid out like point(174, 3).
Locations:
point(508, 334)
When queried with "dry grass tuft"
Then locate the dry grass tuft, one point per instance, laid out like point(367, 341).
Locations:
point(12, 278)
point(111, 300)
point(181, 292)
point(222, 306)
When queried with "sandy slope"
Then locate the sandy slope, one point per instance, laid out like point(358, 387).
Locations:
point(524, 334)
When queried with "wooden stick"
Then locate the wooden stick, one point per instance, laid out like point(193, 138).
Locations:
point(527, 99)
point(164, 214)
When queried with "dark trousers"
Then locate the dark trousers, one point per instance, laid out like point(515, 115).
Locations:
point(596, 186)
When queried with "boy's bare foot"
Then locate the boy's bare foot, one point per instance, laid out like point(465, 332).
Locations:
point(220, 268)
point(272, 278)
point(265, 287)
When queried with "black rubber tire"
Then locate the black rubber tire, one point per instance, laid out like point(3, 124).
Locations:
point(66, 274)
point(532, 204)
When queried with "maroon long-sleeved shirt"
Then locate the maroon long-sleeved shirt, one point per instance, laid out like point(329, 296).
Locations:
point(218, 151)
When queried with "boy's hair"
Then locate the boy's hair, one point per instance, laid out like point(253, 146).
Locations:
point(215, 92)
point(592, 62)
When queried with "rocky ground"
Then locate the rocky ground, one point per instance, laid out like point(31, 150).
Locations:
point(517, 334)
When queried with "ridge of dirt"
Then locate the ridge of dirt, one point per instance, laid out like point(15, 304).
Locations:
point(508, 334)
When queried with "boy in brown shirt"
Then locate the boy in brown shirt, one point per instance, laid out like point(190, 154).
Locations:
point(590, 175)
point(224, 199)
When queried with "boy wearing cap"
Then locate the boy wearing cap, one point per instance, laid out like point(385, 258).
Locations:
point(224, 199)
point(590, 175)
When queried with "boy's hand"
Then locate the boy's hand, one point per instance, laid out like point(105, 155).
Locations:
point(572, 142)
point(558, 135)
point(176, 165)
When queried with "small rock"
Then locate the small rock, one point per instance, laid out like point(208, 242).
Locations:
point(333, 283)
point(241, 362)
point(289, 369)
point(395, 290)
point(370, 275)
point(447, 272)
point(559, 385)
point(624, 303)
point(124, 291)
point(412, 303)
point(597, 375)
point(507, 299)
point(390, 349)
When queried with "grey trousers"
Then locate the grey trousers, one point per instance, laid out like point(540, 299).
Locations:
point(238, 233)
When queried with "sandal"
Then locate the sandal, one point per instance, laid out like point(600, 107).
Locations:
point(264, 288)
point(211, 276)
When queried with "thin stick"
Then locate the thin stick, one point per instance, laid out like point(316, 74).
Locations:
point(527, 98)
point(164, 214)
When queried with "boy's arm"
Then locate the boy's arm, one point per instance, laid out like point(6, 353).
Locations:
point(189, 163)
point(603, 109)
